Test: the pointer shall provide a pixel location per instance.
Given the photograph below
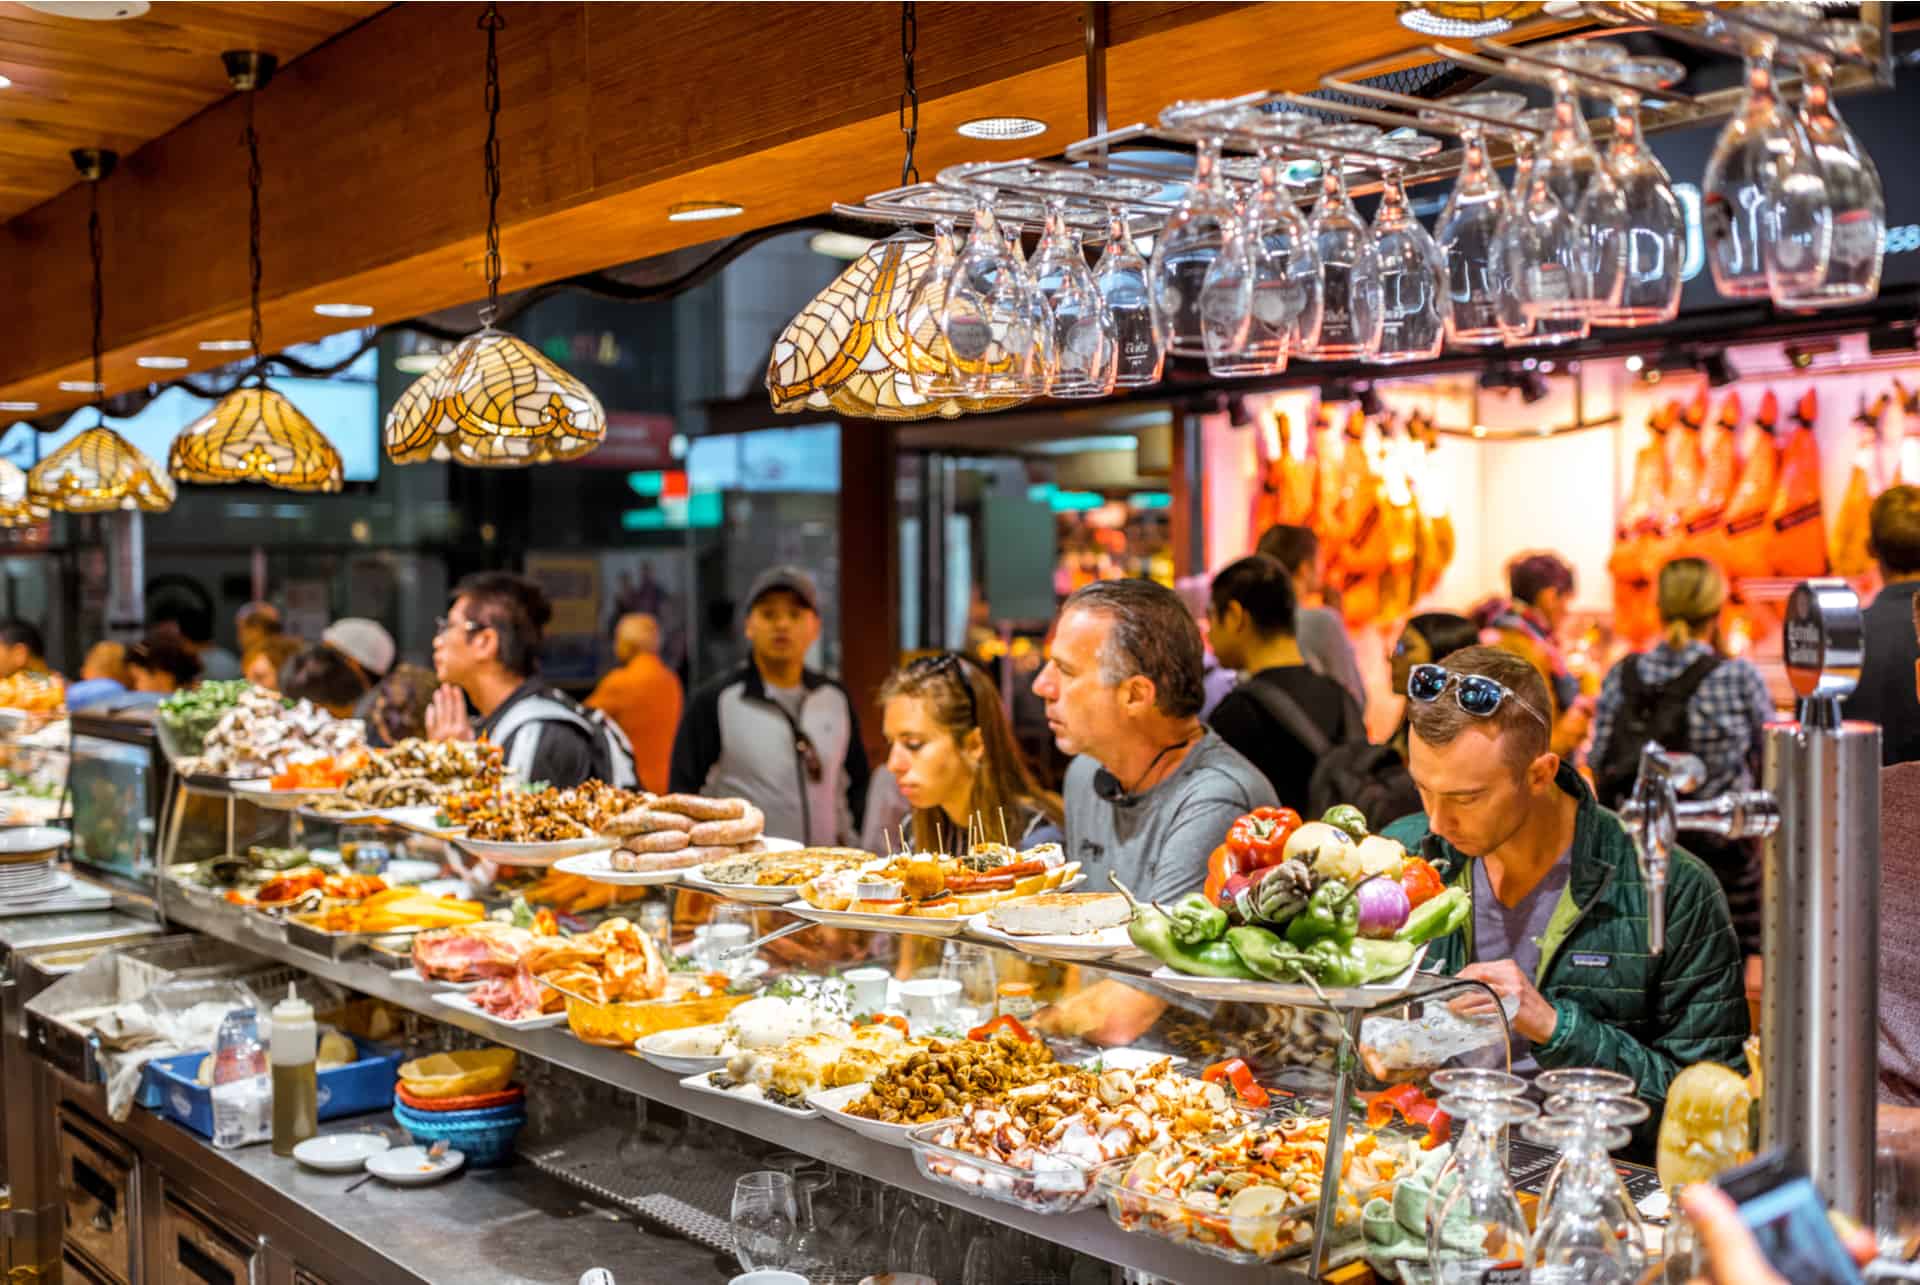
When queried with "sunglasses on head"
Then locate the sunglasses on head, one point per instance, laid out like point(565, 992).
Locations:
point(953, 663)
point(1477, 694)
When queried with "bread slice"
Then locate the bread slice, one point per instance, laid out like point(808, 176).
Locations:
point(1062, 913)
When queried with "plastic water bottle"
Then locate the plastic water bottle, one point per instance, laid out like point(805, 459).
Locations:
point(242, 1091)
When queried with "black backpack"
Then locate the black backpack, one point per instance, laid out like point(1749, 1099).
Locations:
point(1648, 712)
point(1371, 777)
point(613, 758)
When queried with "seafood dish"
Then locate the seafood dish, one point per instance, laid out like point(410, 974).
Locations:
point(417, 772)
point(786, 1073)
point(781, 869)
point(262, 734)
point(539, 816)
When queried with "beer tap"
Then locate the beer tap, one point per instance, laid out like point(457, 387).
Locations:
point(1655, 814)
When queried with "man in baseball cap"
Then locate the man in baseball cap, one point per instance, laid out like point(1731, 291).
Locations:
point(364, 642)
point(774, 731)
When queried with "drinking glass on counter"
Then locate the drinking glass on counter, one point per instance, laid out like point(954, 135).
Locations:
point(1479, 1226)
point(1896, 1194)
point(973, 967)
point(765, 1215)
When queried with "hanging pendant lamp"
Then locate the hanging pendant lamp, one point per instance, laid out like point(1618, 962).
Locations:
point(17, 508)
point(494, 401)
point(254, 434)
point(98, 471)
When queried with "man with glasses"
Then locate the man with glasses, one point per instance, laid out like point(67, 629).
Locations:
point(1152, 790)
point(1559, 927)
point(774, 731)
point(487, 650)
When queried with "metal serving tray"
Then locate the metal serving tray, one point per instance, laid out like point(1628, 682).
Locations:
point(336, 945)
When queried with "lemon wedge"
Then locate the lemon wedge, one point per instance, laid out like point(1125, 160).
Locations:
point(1253, 1218)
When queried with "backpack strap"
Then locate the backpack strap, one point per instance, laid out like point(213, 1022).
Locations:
point(1683, 685)
point(1285, 710)
point(541, 707)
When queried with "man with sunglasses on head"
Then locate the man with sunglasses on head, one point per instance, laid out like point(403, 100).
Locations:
point(1559, 926)
point(774, 731)
point(487, 651)
point(1152, 790)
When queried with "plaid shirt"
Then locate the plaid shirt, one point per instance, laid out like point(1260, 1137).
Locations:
point(1724, 717)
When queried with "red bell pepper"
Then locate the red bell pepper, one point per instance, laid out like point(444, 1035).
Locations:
point(1420, 881)
point(1236, 1073)
point(1005, 1022)
point(1259, 839)
point(1414, 1107)
point(1222, 865)
point(883, 1019)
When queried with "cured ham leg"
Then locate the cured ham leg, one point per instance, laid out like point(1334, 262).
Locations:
point(1433, 523)
point(1747, 554)
point(1361, 555)
point(1634, 614)
point(1849, 552)
point(1703, 522)
point(1683, 484)
point(1797, 539)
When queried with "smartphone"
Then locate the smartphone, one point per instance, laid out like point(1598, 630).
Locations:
point(1781, 1207)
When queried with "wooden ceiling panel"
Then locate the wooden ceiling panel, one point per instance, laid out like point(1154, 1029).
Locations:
point(80, 83)
point(611, 113)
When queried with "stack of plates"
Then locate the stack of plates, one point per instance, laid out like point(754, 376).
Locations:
point(22, 881)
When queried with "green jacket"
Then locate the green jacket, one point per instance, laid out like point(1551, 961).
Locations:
point(1620, 1007)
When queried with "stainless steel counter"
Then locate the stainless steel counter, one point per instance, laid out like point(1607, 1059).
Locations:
point(30, 932)
point(509, 1226)
point(1088, 1232)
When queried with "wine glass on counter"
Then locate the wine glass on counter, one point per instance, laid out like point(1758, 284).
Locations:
point(764, 1215)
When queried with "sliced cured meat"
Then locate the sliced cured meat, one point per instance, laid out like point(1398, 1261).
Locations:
point(1746, 552)
point(1797, 539)
point(511, 998)
point(1850, 553)
point(470, 952)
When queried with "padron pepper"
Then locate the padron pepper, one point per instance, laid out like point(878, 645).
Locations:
point(1197, 921)
point(1151, 929)
point(1331, 913)
point(1326, 961)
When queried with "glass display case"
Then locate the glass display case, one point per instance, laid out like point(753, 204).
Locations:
point(115, 783)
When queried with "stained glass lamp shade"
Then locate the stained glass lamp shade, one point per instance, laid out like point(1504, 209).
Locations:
point(495, 401)
point(16, 507)
point(253, 434)
point(99, 472)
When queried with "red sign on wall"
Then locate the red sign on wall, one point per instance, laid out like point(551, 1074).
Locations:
point(635, 440)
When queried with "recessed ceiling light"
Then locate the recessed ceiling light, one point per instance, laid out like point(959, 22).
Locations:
point(91, 10)
point(839, 245)
point(417, 363)
point(1635, 362)
point(700, 211)
point(78, 386)
point(999, 127)
point(161, 363)
point(22, 407)
point(343, 309)
point(226, 345)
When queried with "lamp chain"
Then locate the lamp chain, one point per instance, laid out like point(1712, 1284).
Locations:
point(96, 248)
point(491, 22)
point(252, 140)
point(909, 92)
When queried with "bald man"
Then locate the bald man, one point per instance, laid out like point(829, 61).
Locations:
point(643, 696)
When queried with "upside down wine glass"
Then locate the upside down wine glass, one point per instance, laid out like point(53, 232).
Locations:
point(1085, 345)
point(1479, 1230)
point(1575, 1243)
point(997, 328)
point(1856, 203)
point(1572, 219)
point(1654, 225)
point(1516, 238)
point(1467, 229)
point(1616, 1203)
point(1413, 270)
point(1350, 318)
point(930, 362)
point(1194, 236)
point(1124, 281)
point(1764, 208)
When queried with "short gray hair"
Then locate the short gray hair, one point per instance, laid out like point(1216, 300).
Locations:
point(1151, 633)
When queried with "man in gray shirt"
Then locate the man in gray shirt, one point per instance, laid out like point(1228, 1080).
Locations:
point(1152, 790)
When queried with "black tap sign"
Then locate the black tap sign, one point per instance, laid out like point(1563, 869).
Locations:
point(1823, 639)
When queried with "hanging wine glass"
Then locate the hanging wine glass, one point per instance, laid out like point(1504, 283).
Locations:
point(1124, 281)
point(1855, 200)
point(1286, 301)
point(1085, 346)
point(1652, 253)
point(1031, 334)
point(1238, 342)
point(930, 362)
point(1764, 209)
point(1577, 272)
point(1467, 225)
point(1524, 232)
point(1349, 273)
point(995, 324)
point(1413, 268)
point(1193, 237)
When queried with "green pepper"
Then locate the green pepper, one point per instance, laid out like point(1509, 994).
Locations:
point(1152, 930)
point(1384, 959)
point(1325, 961)
point(1436, 917)
point(1344, 816)
point(1197, 921)
point(1331, 912)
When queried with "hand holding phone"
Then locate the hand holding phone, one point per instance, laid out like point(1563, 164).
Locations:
point(1775, 1230)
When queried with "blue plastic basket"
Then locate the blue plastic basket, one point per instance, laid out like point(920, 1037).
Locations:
point(363, 1085)
point(485, 1136)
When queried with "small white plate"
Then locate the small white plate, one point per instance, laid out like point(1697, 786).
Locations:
point(409, 1166)
point(598, 866)
point(1108, 943)
point(340, 1152)
point(776, 896)
point(746, 1093)
point(460, 1000)
point(259, 791)
point(24, 842)
point(681, 1064)
point(409, 870)
point(919, 925)
point(502, 853)
point(833, 1104)
point(420, 818)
